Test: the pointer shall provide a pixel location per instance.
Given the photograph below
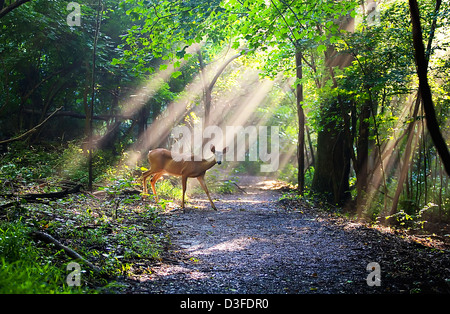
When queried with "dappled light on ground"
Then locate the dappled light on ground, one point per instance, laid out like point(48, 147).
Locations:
point(252, 244)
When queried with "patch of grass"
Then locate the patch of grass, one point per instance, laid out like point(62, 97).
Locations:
point(166, 189)
point(111, 234)
point(25, 268)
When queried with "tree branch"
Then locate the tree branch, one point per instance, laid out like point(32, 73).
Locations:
point(11, 7)
point(31, 130)
point(222, 68)
point(42, 236)
point(35, 197)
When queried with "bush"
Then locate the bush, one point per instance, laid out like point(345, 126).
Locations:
point(23, 164)
point(114, 232)
point(73, 164)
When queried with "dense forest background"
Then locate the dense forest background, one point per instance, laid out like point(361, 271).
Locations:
point(83, 97)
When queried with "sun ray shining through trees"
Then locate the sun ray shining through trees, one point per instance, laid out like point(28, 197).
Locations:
point(340, 107)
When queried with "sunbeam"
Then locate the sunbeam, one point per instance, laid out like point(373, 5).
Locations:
point(385, 159)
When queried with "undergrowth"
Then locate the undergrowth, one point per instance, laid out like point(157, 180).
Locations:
point(26, 267)
point(113, 227)
point(114, 231)
point(426, 220)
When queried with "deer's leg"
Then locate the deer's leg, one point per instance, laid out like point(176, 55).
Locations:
point(183, 183)
point(145, 176)
point(201, 179)
point(153, 182)
point(144, 186)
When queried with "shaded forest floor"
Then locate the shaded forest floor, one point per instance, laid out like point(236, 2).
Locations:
point(256, 243)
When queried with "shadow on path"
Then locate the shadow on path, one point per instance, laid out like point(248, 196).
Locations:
point(252, 244)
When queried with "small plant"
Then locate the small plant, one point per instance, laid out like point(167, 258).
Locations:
point(403, 218)
point(227, 187)
point(166, 189)
point(217, 185)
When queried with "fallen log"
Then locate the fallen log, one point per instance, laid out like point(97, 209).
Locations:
point(35, 197)
point(45, 237)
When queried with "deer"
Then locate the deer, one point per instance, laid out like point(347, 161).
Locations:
point(162, 162)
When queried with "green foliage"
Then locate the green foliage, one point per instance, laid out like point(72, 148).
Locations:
point(166, 29)
point(114, 243)
point(166, 189)
point(279, 28)
point(138, 38)
point(52, 67)
point(113, 233)
point(24, 164)
point(24, 268)
point(289, 174)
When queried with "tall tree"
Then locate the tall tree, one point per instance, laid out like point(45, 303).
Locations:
point(301, 123)
point(292, 28)
point(424, 87)
point(91, 109)
point(208, 84)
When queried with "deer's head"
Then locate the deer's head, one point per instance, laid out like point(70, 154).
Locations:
point(218, 154)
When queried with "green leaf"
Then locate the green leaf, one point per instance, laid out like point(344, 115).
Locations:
point(321, 48)
point(176, 74)
point(163, 67)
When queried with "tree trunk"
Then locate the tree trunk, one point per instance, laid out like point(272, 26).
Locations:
point(91, 111)
point(208, 87)
point(362, 156)
point(333, 154)
point(407, 161)
point(301, 124)
point(424, 88)
point(332, 168)
point(308, 136)
point(143, 115)
point(206, 91)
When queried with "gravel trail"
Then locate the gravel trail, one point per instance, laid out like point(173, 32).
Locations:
point(254, 244)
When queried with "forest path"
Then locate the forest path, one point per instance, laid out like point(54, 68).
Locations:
point(252, 244)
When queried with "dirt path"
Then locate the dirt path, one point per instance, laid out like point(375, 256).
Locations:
point(252, 244)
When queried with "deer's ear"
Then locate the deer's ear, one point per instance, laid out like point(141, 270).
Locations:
point(225, 150)
point(213, 148)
